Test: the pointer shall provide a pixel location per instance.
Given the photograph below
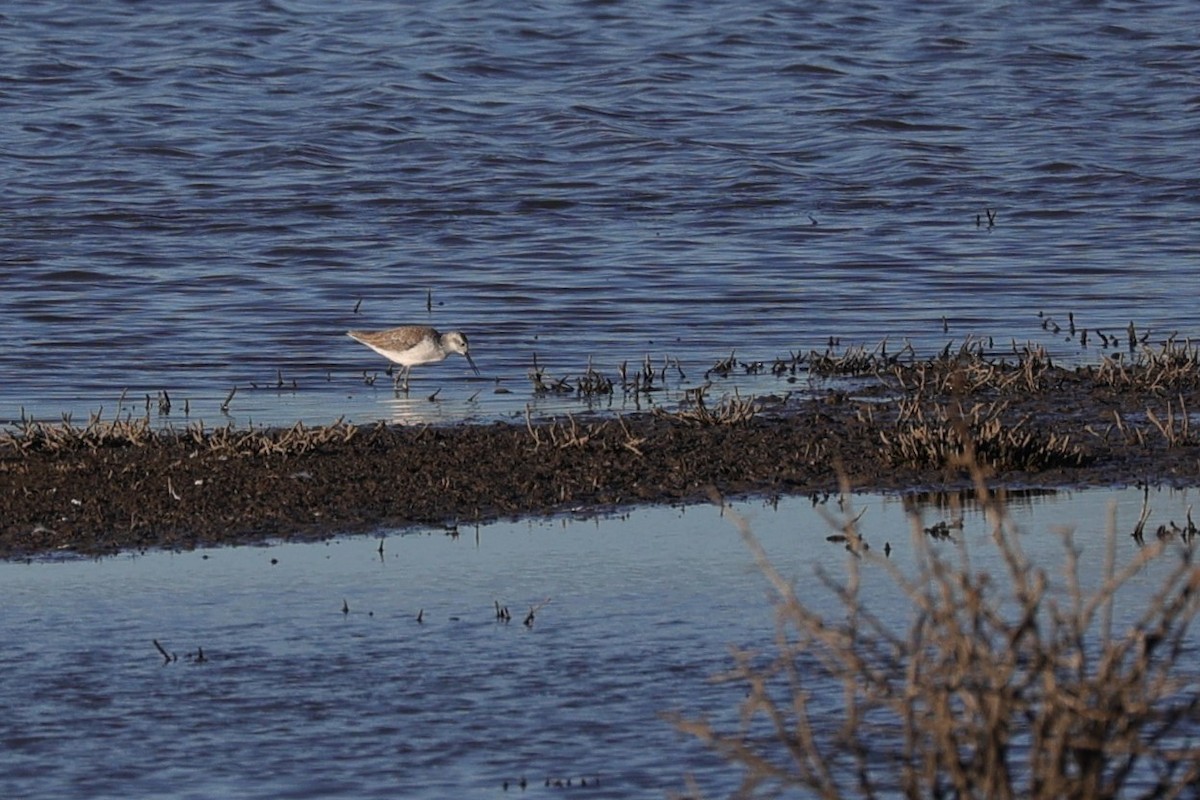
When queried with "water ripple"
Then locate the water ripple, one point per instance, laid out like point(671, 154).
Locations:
point(217, 192)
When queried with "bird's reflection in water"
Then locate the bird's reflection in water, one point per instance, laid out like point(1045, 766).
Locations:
point(418, 409)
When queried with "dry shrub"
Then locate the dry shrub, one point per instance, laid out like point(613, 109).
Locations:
point(54, 437)
point(939, 435)
point(729, 410)
point(1172, 367)
point(971, 371)
point(975, 367)
point(853, 361)
point(1000, 687)
point(126, 432)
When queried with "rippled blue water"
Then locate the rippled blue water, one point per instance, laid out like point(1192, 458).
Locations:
point(297, 699)
point(199, 196)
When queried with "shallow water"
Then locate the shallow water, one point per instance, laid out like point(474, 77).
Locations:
point(200, 196)
point(298, 699)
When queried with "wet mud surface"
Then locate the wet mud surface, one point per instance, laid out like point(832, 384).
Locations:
point(105, 490)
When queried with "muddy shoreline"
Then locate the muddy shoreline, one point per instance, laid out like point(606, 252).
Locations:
point(104, 489)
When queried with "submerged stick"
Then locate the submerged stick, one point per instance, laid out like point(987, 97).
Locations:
point(1140, 528)
point(166, 656)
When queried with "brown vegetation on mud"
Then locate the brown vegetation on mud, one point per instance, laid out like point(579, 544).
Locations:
point(886, 421)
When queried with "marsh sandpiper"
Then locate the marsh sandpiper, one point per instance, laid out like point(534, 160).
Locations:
point(409, 345)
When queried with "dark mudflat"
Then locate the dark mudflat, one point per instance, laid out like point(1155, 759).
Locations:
point(107, 491)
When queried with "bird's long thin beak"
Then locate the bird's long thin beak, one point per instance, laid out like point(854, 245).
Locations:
point(471, 361)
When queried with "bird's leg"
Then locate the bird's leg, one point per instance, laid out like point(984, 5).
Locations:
point(406, 371)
